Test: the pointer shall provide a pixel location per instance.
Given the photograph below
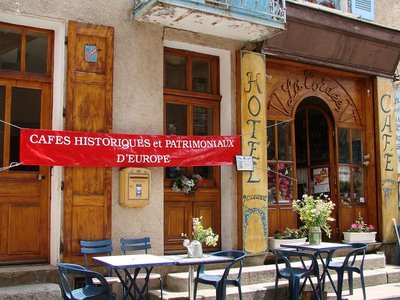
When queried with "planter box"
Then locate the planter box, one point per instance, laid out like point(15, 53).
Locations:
point(276, 243)
point(359, 237)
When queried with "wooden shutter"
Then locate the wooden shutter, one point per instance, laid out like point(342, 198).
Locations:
point(87, 191)
point(363, 8)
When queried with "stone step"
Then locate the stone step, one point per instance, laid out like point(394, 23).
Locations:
point(265, 289)
point(39, 291)
point(28, 274)
point(377, 292)
point(177, 282)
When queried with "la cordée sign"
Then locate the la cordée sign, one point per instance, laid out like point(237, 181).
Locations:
point(97, 149)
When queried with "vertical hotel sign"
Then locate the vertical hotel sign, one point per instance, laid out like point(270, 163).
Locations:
point(254, 137)
point(388, 161)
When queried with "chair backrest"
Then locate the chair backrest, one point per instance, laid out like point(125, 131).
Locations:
point(397, 231)
point(286, 255)
point(358, 250)
point(138, 244)
point(237, 256)
point(95, 247)
point(69, 271)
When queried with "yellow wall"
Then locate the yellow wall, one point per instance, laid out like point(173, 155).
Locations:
point(388, 156)
point(254, 137)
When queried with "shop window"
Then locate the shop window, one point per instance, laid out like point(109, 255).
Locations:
point(25, 50)
point(281, 189)
point(351, 174)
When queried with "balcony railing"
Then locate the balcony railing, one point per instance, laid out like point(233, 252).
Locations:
point(237, 19)
point(265, 9)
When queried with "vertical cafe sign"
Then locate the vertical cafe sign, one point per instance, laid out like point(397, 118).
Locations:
point(254, 137)
point(388, 161)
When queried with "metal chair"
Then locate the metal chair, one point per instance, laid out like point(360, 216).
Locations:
point(102, 247)
point(295, 273)
point(220, 282)
point(349, 265)
point(397, 231)
point(141, 244)
point(100, 291)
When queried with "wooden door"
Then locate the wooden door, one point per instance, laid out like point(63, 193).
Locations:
point(87, 203)
point(26, 68)
point(24, 190)
point(315, 161)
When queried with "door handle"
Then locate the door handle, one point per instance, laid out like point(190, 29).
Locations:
point(41, 177)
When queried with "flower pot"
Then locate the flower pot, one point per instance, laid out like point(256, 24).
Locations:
point(314, 235)
point(274, 243)
point(359, 237)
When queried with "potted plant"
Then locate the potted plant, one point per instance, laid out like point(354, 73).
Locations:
point(287, 236)
point(200, 236)
point(315, 213)
point(360, 232)
point(186, 183)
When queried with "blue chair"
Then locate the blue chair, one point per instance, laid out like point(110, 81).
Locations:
point(295, 273)
point(220, 282)
point(99, 248)
point(100, 291)
point(143, 245)
point(349, 265)
point(397, 231)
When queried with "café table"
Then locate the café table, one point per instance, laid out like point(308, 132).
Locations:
point(184, 260)
point(318, 250)
point(123, 264)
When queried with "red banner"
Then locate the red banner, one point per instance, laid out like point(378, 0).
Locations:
point(95, 149)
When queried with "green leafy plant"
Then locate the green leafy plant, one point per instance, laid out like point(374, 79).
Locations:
point(290, 233)
point(202, 234)
point(315, 212)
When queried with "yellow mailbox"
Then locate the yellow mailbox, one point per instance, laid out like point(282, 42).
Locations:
point(134, 187)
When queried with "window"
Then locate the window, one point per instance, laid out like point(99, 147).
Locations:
point(280, 163)
point(190, 72)
point(328, 3)
point(191, 102)
point(351, 182)
point(25, 50)
point(363, 8)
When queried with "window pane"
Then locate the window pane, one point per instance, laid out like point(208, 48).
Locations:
point(2, 108)
point(25, 113)
point(285, 184)
point(205, 172)
point(271, 140)
point(356, 146)
point(318, 137)
point(344, 149)
point(36, 52)
point(301, 138)
point(272, 174)
point(358, 185)
point(284, 141)
point(344, 184)
point(201, 75)
point(175, 72)
point(176, 119)
point(10, 48)
point(203, 121)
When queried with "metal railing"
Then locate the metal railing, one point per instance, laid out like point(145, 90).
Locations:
point(268, 9)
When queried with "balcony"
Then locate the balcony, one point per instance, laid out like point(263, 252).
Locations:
point(244, 20)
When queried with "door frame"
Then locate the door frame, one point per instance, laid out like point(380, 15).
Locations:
point(58, 26)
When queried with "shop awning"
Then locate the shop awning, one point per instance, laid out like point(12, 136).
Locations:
point(327, 38)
